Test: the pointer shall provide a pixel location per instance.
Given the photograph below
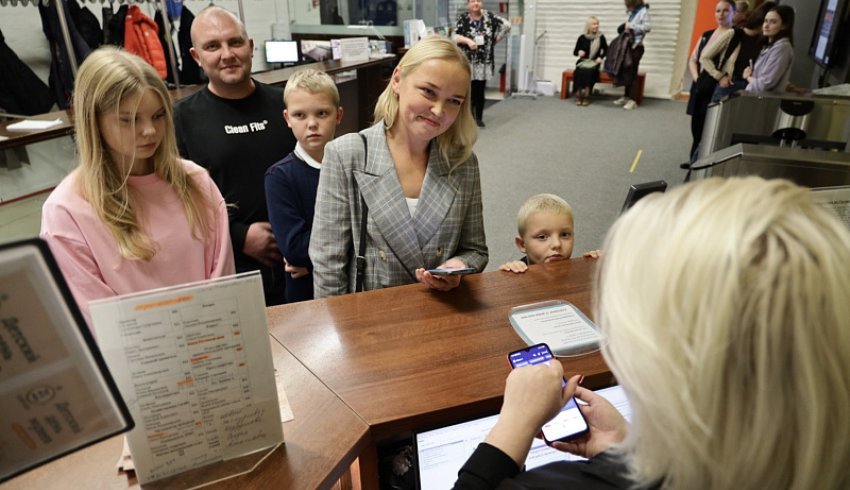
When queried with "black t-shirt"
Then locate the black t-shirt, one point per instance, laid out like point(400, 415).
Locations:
point(236, 141)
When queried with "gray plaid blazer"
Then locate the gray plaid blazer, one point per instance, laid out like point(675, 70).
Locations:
point(449, 222)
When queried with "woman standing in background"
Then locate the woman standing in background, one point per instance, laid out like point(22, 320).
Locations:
point(639, 25)
point(590, 49)
point(703, 88)
point(477, 31)
point(771, 71)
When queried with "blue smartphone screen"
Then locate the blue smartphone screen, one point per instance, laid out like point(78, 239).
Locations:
point(570, 421)
point(530, 356)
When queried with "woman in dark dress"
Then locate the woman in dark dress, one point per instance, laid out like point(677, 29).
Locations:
point(590, 49)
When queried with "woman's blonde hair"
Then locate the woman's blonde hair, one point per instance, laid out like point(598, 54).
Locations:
point(456, 143)
point(589, 23)
point(106, 77)
point(726, 306)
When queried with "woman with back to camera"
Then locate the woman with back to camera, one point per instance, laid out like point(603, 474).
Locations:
point(590, 49)
point(745, 45)
point(417, 176)
point(703, 88)
point(772, 71)
point(476, 32)
point(132, 216)
point(723, 305)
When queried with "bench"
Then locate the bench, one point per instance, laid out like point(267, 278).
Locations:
point(604, 77)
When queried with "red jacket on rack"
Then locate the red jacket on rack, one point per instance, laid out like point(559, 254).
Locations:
point(140, 38)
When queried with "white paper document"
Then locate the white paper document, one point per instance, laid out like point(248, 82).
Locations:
point(33, 125)
point(195, 367)
point(836, 199)
point(559, 324)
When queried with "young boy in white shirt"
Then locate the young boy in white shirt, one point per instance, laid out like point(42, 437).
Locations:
point(313, 112)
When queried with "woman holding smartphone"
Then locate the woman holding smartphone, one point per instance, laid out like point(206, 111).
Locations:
point(735, 357)
point(411, 178)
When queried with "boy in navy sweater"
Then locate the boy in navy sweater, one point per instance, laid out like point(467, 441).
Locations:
point(313, 112)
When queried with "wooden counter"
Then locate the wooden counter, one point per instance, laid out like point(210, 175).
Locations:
point(321, 443)
point(408, 358)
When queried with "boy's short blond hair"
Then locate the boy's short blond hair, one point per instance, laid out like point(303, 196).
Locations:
point(313, 81)
point(541, 202)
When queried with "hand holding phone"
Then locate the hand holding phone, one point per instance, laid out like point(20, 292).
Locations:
point(570, 422)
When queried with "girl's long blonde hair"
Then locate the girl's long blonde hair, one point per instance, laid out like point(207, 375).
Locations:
point(456, 143)
point(106, 77)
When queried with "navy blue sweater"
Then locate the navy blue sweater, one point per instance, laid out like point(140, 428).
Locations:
point(291, 196)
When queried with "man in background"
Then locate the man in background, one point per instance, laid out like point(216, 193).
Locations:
point(233, 128)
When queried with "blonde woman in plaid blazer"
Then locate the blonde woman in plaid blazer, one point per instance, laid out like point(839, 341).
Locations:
point(419, 181)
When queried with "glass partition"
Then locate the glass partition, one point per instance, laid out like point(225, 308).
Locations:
point(386, 16)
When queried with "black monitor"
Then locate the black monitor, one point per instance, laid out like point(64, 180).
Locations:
point(637, 191)
point(829, 36)
point(283, 52)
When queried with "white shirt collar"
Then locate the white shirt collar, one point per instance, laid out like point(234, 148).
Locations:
point(301, 153)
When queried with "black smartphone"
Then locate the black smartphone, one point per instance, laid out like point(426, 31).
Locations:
point(452, 271)
point(570, 422)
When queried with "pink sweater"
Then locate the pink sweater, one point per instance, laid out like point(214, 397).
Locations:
point(88, 254)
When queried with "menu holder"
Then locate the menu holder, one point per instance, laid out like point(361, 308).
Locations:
point(56, 393)
point(194, 364)
point(558, 323)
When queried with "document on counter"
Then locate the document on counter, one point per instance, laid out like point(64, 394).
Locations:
point(836, 199)
point(33, 125)
point(194, 364)
point(55, 391)
point(561, 325)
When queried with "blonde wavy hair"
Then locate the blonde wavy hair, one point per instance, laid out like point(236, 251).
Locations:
point(456, 143)
point(106, 77)
point(589, 23)
point(726, 306)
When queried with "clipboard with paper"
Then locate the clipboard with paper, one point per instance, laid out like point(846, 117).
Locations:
point(558, 323)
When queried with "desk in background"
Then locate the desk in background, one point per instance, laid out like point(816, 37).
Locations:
point(408, 358)
point(321, 443)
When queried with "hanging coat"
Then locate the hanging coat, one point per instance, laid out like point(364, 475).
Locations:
point(619, 57)
point(86, 23)
point(61, 78)
point(113, 28)
point(21, 91)
point(190, 72)
point(140, 38)
point(160, 25)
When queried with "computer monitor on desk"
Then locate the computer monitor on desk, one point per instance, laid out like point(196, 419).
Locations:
point(283, 53)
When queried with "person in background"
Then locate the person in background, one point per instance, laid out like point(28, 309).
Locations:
point(132, 216)
point(545, 232)
point(233, 128)
point(703, 88)
point(413, 179)
point(590, 49)
point(477, 31)
point(746, 43)
point(639, 24)
point(313, 113)
point(772, 70)
point(742, 13)
point(723, 304)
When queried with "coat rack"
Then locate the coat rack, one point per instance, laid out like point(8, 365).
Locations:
point(66, 34)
